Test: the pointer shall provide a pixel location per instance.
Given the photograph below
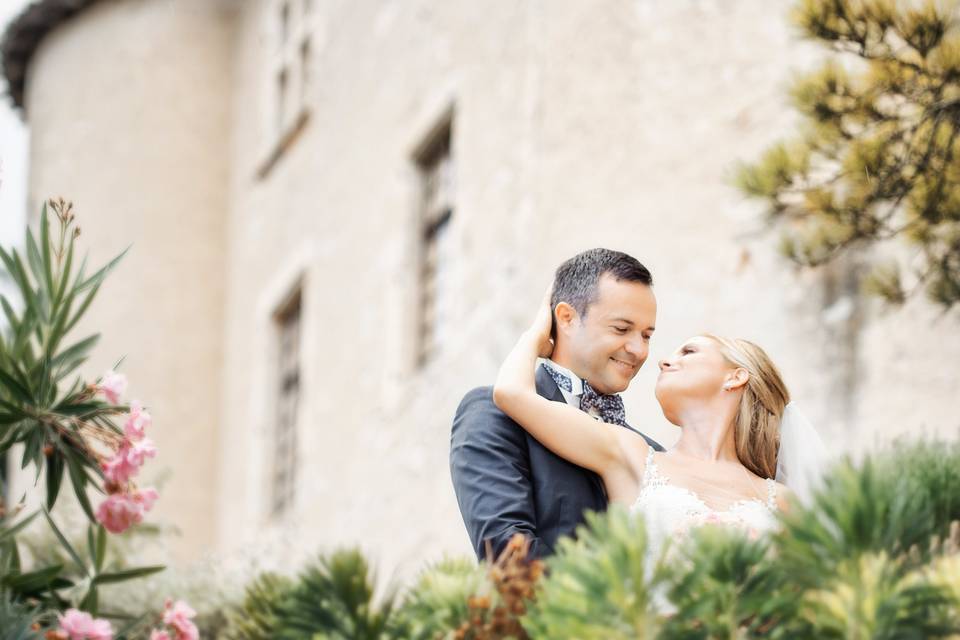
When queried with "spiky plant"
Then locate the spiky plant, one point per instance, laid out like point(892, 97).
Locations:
point(723, 585)
point(438, 603)
point(600, 586)
point(856, 554)
point(18, 621)
point(258, 616)
point(334, 599)
point(496, 613)
point(930, 471)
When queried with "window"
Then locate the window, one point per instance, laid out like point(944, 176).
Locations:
point(287, 402)
point(437, 173)
point(290, 70)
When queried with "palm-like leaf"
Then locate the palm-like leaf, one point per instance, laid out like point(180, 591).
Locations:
point(724, 585)
point(439, 601)
point(334, 600)
point(17, 620)
point(600, 586)
point(258, 617)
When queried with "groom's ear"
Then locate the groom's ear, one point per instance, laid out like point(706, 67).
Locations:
point(564, 316)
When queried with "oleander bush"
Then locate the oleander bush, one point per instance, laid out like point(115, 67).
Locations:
point(72, 431)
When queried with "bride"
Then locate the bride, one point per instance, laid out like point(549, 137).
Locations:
point(727, 397)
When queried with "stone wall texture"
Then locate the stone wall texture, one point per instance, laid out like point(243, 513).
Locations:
point(574, 125)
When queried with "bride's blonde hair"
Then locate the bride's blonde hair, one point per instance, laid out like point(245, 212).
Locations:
point(757, 422)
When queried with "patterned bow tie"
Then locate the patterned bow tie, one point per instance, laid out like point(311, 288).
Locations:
point(563, 381)
point(610, 408)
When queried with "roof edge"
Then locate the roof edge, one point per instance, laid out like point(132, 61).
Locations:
point(23, 36)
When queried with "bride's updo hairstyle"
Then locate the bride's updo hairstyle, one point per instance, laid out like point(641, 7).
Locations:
point(757, 422)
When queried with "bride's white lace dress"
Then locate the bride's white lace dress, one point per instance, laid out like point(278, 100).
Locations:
point(671, 511)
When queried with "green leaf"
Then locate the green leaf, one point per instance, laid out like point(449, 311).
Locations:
point(101, 548)
point(78, 478)
point(12, 317)
point(45, 250)
point(10, 436)
point(33, 581)
point(33, 257)
point(25, 287)
point(74, 355)
point(66, 545)
point(31, 449)
point(97, 278)
point(22, 393)
point(10, 418)
point(89, 602)
point(79, 408)
point(127, 574)
point(11, 264)
point(9, 532)
point(64, 279)
point(83, 308)
point(54, 477)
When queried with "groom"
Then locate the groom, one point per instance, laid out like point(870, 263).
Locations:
point(506, 481)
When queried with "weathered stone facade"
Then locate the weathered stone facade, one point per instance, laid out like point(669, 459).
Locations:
point(574, 125)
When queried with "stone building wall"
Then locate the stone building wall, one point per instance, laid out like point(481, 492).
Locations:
point(574, 125)
point(129, 118)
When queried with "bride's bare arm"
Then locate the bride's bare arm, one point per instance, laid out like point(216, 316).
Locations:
point(565, 430)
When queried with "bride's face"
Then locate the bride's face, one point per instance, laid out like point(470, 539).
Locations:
point(696, 371)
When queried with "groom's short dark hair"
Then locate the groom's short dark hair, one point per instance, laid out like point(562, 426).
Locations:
point(576, 281)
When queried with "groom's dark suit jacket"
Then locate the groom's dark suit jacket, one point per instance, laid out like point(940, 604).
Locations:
point(506, 482)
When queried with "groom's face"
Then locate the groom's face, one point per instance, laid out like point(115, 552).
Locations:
point(608, 345)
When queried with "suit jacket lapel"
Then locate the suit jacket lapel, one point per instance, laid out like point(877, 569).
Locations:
point(547, 386)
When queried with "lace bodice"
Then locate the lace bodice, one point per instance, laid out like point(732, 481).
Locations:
point(671, 511)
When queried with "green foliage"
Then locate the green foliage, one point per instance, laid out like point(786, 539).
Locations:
point(334, 600)
point(259, 615)
point(723, 586)
point(879, 154)
point(16, 621)
point(857, 555)
point(60, 423)
point(863, 560)
point(438, 602)
point(55, 421)
point(874, 555)
point(600, 586)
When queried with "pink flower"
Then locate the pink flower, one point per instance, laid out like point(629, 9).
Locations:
point(138, 451)
point(127, 461)
point(178, 616)
point(137, 422)
point(146, 498)
point(118, 469)
point(156, 634)
point(80, 625)
point(120, 511)
point(112, 386)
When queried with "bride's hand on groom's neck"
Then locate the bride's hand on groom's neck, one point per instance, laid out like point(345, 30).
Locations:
point(542, 325)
